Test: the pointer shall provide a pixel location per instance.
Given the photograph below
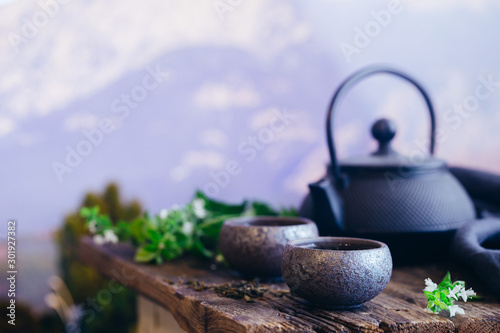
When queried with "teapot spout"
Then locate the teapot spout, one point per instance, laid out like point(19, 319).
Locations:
point(324, 206)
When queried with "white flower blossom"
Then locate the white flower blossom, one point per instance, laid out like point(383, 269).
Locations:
point(430, 286)
point(163, 214)
point(452, 294)
point(187, 228)
point(466, 293)
point(199, 208)
point(98, 239)
point(92, 226)
point(454, 309)
point(110, 236)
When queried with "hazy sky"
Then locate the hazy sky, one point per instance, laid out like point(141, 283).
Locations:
point(227, 72)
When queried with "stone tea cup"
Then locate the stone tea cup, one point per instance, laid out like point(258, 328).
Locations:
point(336, 272)
point(254, 245)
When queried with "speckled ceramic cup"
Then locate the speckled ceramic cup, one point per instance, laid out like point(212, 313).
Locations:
point(254, 245)
point(336, 272)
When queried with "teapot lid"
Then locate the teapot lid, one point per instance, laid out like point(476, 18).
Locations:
point(386, 158)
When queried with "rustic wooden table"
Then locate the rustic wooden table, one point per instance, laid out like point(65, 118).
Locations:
point(400, 308)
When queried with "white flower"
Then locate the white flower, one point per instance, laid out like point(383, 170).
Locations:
point(110, 236)
point(430, 286)
point(163, 214)
point(98, 239)
point(187, 228)
point(454, 309)
point(455, 290)
point(199, 208)
point(466, 293)
point(92, 227)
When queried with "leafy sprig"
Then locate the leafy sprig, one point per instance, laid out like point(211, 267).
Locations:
point(169, 234)
point(443, 296)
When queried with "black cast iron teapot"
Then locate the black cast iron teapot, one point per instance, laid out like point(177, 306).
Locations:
point(410, 203)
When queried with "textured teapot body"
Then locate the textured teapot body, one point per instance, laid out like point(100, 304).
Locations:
point(387, 203)
point(384, 203)
point(412, 208)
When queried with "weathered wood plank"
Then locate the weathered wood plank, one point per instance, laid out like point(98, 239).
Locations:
point(153, 318)
point(400, 308)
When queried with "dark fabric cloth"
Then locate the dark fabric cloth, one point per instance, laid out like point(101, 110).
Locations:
point(477, 244)
point(483, 188)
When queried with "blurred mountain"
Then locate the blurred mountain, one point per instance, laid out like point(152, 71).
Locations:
point(228, 75)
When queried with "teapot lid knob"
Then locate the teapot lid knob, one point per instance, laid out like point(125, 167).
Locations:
point(384, 130)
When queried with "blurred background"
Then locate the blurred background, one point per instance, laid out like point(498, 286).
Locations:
point(158, 96)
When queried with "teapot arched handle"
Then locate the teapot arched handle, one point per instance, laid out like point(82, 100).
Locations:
point(341, 91)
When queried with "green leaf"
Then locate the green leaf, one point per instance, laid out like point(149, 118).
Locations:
point(430, 295)
point(171, 253)
point(440, 304)
point(102, 222)
point(158, 239)
point(211, 227)
point(151, 248)
point(183, 240)
point(262, 209)
point(439, 299)
point(218, 207)
point(292, 212)
point(123, 231)
point(143, 255)
point(199, 248)
point(446, 279)
point(154, 236)
point(86, 212)
point(138, 231)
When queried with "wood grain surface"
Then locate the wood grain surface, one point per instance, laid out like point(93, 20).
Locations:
point(400, 308)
